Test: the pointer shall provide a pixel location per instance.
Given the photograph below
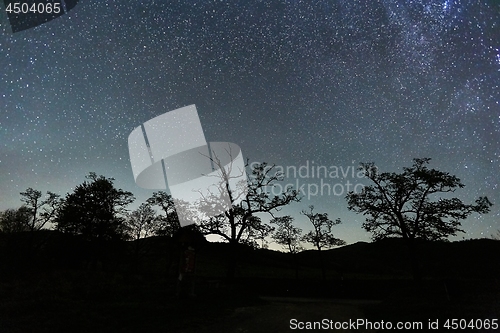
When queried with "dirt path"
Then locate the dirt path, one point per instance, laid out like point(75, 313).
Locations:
point(283, 314)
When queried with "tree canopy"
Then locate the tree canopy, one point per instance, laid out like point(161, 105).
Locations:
point(168, 223)
point(142, 222)
point(41, 211)
point(15, 220)
point(95, 209)
point(287, 235)
point(239, 224)
point(321, 235)
point(409, 204)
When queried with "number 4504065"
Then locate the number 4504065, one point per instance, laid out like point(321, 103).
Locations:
point(472, 324)
point(36, 8)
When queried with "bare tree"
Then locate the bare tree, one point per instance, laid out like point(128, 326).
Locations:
point(139, 224)
point(233, 223)
point(408, 205)
point(42, 211)
point(239, 220)
point(257, 232)
point(288, 236)
point(142, 222)
point(321, 236)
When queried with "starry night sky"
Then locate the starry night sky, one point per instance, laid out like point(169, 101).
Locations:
point(290, 82)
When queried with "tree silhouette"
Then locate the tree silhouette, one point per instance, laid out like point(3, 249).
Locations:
point(142, 222)
point(95, 210)
point(15, 220)
point(240, 221)
point(321, 236)
point(288, 236)
point(167, 224)
point(233, 224)
point(408, 205)
point(256, 232)
point(41, 211)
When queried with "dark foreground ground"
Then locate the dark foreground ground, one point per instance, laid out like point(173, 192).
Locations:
point(64, 290)
point(102, 302)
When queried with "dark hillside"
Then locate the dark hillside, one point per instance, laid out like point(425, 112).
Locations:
point(62, 283)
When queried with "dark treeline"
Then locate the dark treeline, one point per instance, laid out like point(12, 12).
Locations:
point(85, 253)
point(400, 205)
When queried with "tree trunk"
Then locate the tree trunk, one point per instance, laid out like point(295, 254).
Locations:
point(322, 264)
point(296, 264)
point(232, 261)
point(415, 264)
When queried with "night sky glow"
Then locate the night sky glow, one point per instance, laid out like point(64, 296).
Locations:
point(294, 83)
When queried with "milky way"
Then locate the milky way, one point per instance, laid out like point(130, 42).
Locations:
point(332, 83)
